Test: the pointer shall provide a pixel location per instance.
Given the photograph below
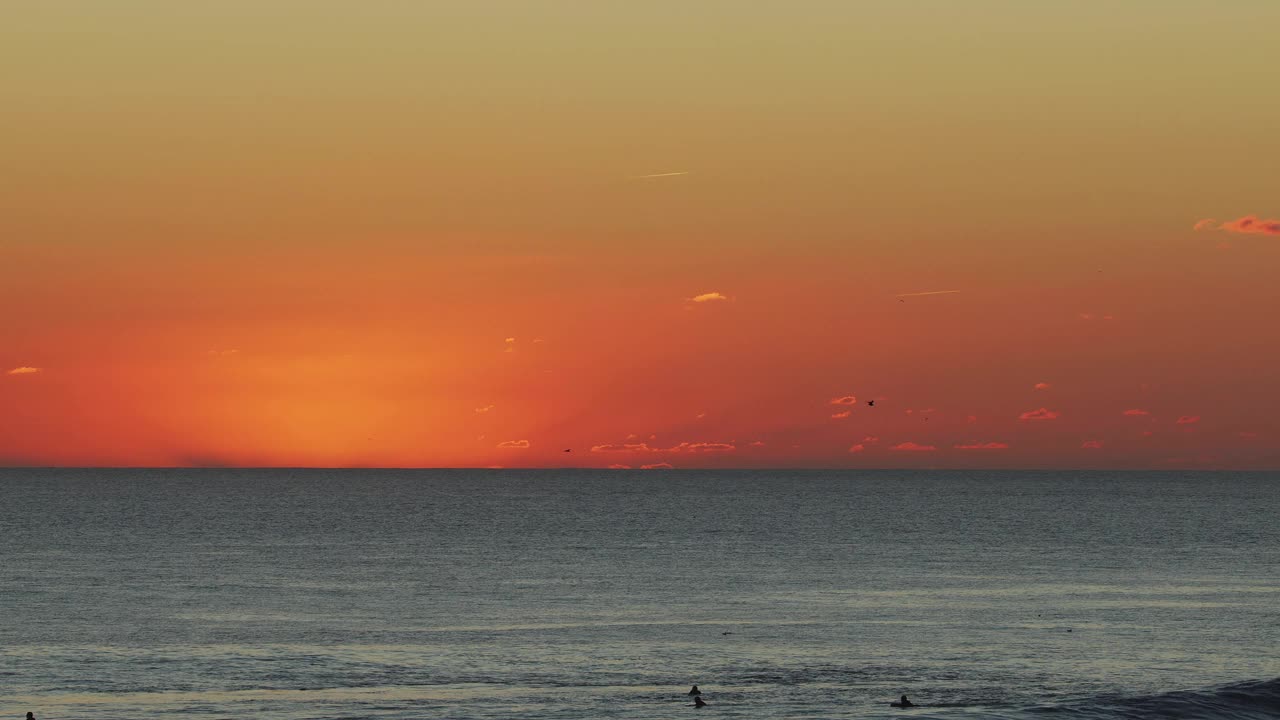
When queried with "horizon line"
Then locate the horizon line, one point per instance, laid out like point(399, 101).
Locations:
point(413, 468)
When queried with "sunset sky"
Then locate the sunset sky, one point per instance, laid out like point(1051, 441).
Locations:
point(701, 233)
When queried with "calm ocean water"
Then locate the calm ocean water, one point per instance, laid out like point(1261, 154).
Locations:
point(573, 594)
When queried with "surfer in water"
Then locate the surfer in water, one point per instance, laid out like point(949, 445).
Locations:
point(697, 701)
point(904, 702)
point(694, 691)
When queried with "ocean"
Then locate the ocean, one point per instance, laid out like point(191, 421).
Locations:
point(566, 594)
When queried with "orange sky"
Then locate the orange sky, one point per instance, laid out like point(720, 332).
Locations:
point(302, 233)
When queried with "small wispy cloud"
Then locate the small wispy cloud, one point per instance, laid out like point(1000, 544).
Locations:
point(621, 447)
point(1040, 414)
point(484, 409)
point(929, 292)
point(1188, 419)
point(699, 447)
point(845, 400)
point(913, 447)
point(510, 345)
point(708, 297)
point(517, 444)
point(1042, 386)
point(619, 466)
point(1091, 445)
point(684, 447)
point(25, 371)
point(652, 176)
point(658, 466)
point(983, 446)
point(757, 443)
point(1136, 412)
point(859, 447)
point(841, 415)
point(1249, 224)
point(871, 439)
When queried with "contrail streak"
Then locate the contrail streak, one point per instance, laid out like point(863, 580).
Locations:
point(658, 175)
point(931, 292)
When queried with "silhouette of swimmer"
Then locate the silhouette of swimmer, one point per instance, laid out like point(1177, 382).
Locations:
point(904, 702)
point(694, 691)
point(31, 716)
point(697, 702)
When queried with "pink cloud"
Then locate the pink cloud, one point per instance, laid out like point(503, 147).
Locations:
point(1252, 225)
point(841, 415)
point(1147, 433)
point(24, 371)
point(1092, 444)
point(622, 447)
point(1135, 412)
point(857, 448)
point(701, 447)
point(972, 419)
point(617, 466)
point(689, 447)
point(1206, 224)
point(1041, 414)
point(913, 447)
point(871, 439)
point(1188, 419)
point(484, 409)
point(983, 446)
point(846, 400)
point(514, 444)
point(757, 443)
point(1042, 386)
point(658, 466)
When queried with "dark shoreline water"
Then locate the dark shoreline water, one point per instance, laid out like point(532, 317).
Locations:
point(588, 594)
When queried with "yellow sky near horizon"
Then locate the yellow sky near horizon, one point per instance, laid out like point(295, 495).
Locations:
point(364, 201)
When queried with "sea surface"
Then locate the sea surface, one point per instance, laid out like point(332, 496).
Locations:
point(587, 594)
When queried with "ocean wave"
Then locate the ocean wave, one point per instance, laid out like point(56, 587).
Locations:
point(1253, 700)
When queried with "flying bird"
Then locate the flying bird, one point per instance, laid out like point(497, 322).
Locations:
point(871, 403)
